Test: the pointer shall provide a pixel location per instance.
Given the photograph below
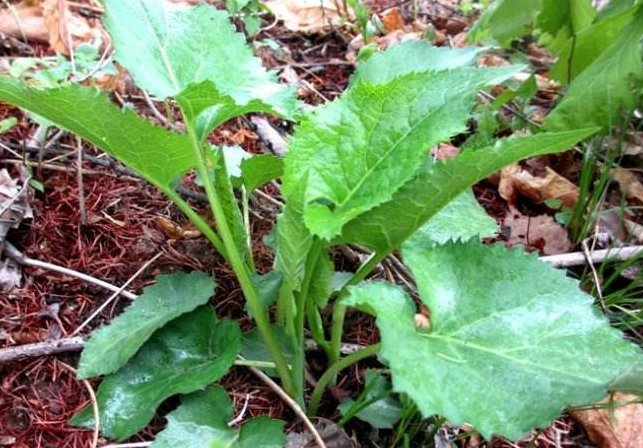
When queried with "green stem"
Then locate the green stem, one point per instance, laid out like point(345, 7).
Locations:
point(339, 309)
point(198, 221)
point(334, 369)
point(238, 266)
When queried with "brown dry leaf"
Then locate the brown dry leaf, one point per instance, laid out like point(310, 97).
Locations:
point(307, 16)
point(24, 22)
point(537, 231)
point(621, 427)
point(392, 19)
point(49, 21)
point(515, 181)
point(64, 26)
point(629, 183)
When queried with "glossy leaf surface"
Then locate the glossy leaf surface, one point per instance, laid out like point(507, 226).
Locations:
point(111, 346)
point(512, 341)
point(201, 421)
point(184, 356)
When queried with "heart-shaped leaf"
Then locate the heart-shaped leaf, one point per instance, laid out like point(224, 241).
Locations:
point(184, 356)
point(511, 342)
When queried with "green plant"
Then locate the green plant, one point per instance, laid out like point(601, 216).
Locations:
point(503, 325)
point(598, 54)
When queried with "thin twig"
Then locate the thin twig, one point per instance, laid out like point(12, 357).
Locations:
point(22, 259)
point(597, 256)
point(239, 418)
point(159, 116)
point(27, 351)
point(94, 401)
point(291, 403)
point(116, 293)
point(590, 262)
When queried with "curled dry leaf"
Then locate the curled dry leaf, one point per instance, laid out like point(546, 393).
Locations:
point(308, 16)
point(50, 21)
point(64, 26)
point(392, 19)
point(629, 184)
point(24, 22)
point(330, 432)
point(14, 207)
point(515, 181)
point(620, 427)
point(542, 232)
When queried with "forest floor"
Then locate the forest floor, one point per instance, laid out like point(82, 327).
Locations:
point(127, 223)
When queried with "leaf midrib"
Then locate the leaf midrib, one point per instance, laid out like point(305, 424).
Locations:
point(492, 351)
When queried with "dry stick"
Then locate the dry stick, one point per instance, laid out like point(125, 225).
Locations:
point(94, 401)
point(19, 257)
point(291, 403)
point(26, 351)
point(116, 293)
point(597, 256)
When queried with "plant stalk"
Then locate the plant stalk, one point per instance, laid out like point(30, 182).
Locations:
point(238, 265)
point(334, 369)
point(339, 309)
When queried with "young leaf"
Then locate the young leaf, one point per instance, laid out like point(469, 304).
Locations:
point(413, 56)
point(609, 84)
point(559, 20)
point(175, 360)
point(579, 53)
point(512, 341)
point(171, 296)
point(253, 347)
point(387, 226)
point(460, 220)
point(506, 20)
point(229, 202)
point(382, 410)
point(358, 150)
point(168, 46)
point(202, 421)
point(120, 133)
point(260, 170)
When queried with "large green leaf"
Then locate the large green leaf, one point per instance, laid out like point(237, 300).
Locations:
point(186, 355)
point(598, 95)
point(168, 46)
point(201, 421)
point(413, 56)
point(512, 341)
point(385, 227)
point(171, 296)
point(156, 154)
point(506, 20)
point(578, 53)
point(358, 150)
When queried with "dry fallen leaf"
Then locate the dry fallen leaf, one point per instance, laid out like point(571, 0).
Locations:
point(50, 21)
point(620, 427)
point(392, 20)
point(515, 181)
point(307, 16)
point(24, 22)
point(629, 183)
point(539, 231)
